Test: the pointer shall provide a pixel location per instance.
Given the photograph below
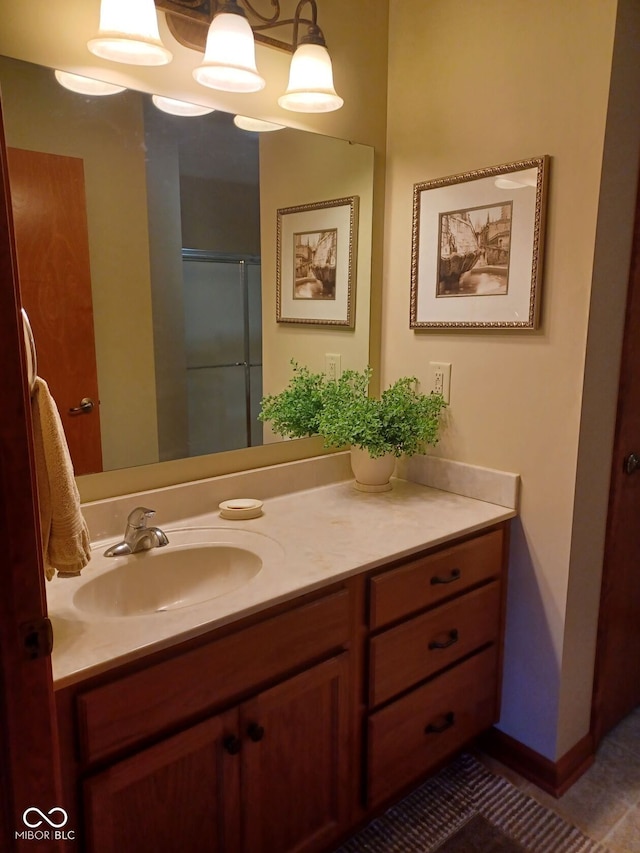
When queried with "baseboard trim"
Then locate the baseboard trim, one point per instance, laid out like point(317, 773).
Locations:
point(554, 777)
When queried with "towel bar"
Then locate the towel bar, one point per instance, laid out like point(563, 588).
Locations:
point(32, 360)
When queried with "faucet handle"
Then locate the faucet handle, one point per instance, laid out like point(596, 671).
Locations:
point(138, 517)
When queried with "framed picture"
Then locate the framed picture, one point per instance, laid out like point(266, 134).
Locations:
point(477, 238)
point(316, 263)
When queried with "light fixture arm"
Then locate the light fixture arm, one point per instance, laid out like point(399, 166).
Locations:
point(266, 19)
point(314, 36)
point(189, 21)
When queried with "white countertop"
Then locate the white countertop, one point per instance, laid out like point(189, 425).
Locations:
point(325, 534)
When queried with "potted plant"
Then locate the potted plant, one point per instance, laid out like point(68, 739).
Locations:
point(402, 421)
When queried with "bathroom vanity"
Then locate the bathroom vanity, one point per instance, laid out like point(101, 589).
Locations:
point(286, 725)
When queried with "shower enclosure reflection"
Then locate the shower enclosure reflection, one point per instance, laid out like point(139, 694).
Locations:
point(223, 345)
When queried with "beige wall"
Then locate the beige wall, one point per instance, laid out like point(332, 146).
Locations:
point(41, 116)
point(473, 85)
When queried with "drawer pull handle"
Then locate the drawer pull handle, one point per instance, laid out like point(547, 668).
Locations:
point(232, 744)
point(255, 732)
point(453, 638)
point(449, 720)
point(454, 576)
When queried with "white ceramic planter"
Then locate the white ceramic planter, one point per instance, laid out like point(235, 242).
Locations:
point(372, 475)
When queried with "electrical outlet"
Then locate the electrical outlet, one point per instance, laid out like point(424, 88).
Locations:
point(441, 378)
point(332, 367)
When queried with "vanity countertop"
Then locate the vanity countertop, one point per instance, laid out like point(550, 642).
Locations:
point(326, 534)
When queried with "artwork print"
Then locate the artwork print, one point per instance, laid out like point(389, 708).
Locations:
point(474, 251)
point(315, 264)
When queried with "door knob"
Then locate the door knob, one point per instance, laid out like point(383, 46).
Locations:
point(86, 406)
point(632, 463)
point(232, 744)
point(255, 732)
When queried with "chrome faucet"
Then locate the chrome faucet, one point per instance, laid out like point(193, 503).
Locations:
point(137, 536)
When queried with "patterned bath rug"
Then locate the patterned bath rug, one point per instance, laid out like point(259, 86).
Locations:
point(467, 809)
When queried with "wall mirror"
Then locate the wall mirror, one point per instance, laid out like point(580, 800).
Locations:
point(175, 224)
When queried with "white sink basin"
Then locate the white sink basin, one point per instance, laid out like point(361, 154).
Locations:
point(197, 565)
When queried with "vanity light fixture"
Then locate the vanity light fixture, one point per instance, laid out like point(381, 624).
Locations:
point(179, 108)
point(86, 85)
point(129, 33)
point(227, 30)
point(256, 125)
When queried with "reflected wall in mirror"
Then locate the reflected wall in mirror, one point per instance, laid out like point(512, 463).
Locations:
point(146, 247)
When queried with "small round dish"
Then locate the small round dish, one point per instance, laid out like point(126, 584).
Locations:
point(241, 508)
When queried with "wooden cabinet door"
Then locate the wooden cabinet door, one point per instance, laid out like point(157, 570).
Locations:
point(182, 794)
point(295, 761)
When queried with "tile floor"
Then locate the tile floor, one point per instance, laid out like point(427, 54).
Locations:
point(605, 802)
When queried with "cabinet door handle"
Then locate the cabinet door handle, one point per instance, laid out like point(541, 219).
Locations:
point(454, 576)
point(255, 732)
point(232, 744)
point(449, 720)
point(453, 638)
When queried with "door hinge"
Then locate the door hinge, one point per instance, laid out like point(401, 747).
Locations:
point(37, 638)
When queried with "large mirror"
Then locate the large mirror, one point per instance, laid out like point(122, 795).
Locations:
point(147, 256)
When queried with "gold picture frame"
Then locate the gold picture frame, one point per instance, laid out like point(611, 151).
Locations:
point(477, 241)
point(316, 254)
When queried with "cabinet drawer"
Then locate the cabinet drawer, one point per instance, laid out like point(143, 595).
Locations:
point(409, 737)
point(409, 653)
point(160, 697)
point(425, 581)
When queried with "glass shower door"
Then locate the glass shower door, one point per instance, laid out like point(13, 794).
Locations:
point(223, 334)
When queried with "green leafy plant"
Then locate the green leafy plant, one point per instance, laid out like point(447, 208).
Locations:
point(402, 421)
point(295, 412)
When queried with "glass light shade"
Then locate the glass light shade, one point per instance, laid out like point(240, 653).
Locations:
point(310, 88)
point(86, 85)
point(229, 63)
point(129, 33)
point(179, 108)
point(257, 125)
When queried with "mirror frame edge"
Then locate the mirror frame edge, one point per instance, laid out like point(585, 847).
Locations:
point(143, 478)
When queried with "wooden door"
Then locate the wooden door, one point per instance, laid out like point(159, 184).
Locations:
point(29, 762)
point(50, 215)
point(182, 795)
point(617, 685)
point(295, 762)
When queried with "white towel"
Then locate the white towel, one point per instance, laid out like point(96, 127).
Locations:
point(65, 536)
